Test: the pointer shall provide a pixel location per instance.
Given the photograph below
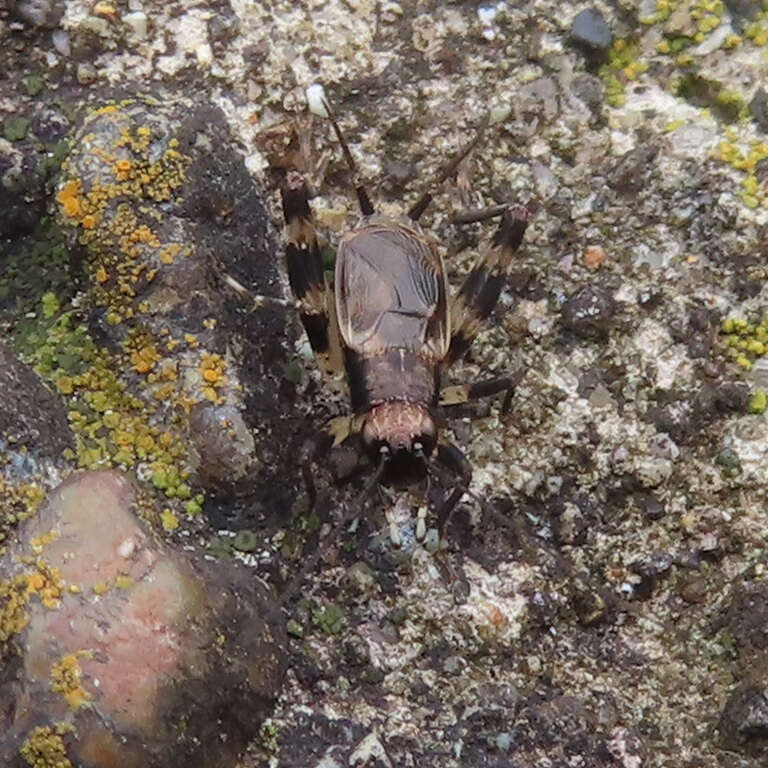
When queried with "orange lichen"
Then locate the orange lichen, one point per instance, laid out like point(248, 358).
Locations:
point(101, 274)
point(69, 199)
point(89, 221)
point(45, 582)
point(123, 169)
point(145, 358)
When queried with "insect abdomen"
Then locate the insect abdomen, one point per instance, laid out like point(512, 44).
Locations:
point(396, 374)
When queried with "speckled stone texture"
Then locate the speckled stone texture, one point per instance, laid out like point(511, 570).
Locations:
point(594, 609)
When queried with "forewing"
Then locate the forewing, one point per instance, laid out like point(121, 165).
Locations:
point(391, 292)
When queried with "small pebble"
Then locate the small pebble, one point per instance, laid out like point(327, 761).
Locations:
point(594, 256)
point(589, 28)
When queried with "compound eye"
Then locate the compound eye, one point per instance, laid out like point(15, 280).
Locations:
point(423, 445)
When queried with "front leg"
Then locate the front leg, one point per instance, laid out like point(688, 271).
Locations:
point(317, 447)
point(480, 291)
point(450, 457)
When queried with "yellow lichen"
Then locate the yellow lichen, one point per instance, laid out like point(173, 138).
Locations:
point(66, 678)
point(45, 748)
point(39, 543)
point(169, 521)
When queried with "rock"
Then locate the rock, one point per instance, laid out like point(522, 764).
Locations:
point(743, 725)
point(38, 13)
point(629, 172)
point(32, 419)
point(589, 89)
point(743, 10)
point(119, 651)
point(538, 100)
point(758, 108)
point(590, 29)
point(588, 314)
point(155, 263)
point(21, 189)
point(650, 506)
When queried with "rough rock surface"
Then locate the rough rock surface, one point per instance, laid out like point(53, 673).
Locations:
point(124, 651)
point(584, 615)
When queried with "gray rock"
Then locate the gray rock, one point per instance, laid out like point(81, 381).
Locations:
point(38, 13)
point(590, 29)
point(758, 108)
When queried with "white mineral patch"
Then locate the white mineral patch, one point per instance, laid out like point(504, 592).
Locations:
point(316, 100)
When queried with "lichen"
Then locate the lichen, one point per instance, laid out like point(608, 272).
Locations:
point(66, 679)
point(45, 748)
point(623, 65)
point(745, 341)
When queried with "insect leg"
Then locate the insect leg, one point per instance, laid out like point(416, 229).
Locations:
point(307, 276)
point(459, 394)
point(418, 208)
point(480, 291)
point(335, 432)
point(450, 457)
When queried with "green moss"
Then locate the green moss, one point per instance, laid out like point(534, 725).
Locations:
point(33, 84)
point(55, 155)
point(727, 106)
point(330, 620)
point(15, 128)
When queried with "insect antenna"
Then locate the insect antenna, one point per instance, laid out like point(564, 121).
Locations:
point(322, 547)
point(362, 196)
point(449, 169)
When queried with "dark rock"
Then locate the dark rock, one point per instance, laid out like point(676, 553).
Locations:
point(589, 89)
point(693, 590)
point(650, 506)
point(22, 194)
point(32, 419)
point(590, 29)
point(758, 108)
point(149, 656)
point(629, 172)
point(589, 313)
point(590, 606)
point(743, 725)
point(315, 737)
point(649, 571)
point(682, 415)
point(743, 10)
point(747, 619)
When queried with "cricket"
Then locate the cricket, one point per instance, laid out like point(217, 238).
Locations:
point(390, 325)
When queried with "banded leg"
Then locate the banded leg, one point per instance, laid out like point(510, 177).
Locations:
point(458, 394)
point(306, 274)
point(480, 291)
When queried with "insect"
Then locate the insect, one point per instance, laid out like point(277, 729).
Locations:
point(391, 326)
